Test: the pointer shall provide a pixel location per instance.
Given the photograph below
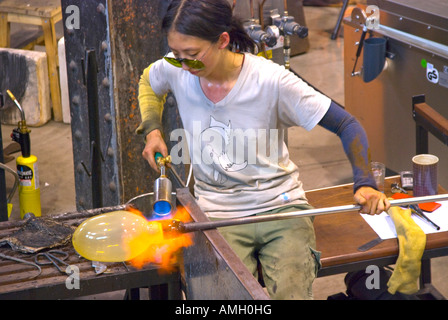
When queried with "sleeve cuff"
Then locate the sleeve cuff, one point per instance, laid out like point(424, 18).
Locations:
point(147, 126)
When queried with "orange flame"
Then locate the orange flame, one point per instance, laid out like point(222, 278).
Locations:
point(164, 248)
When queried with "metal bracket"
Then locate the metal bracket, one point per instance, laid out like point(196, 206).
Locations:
point(359, 17)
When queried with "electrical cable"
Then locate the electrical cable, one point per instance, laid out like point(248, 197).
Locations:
point(16, 181)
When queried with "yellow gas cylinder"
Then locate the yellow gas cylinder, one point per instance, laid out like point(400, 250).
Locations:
point(29, 191)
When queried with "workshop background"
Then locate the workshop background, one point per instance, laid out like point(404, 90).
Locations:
point(318, 153)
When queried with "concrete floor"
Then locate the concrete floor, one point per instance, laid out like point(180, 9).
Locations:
point(318, 153)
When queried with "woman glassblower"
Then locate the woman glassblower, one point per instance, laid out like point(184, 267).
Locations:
point(221, 88)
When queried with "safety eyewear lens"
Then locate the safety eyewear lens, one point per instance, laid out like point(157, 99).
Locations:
point(193, 64)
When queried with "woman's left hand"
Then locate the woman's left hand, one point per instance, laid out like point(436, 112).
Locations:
point(372, 201)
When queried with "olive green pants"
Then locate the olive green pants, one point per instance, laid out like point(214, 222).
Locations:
point(285, 250)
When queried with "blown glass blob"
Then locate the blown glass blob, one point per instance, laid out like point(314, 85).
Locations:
point(115, 236)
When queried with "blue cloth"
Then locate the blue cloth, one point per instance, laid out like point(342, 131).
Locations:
point(354, 141)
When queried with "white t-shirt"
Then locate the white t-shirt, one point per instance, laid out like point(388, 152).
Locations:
point(240, 162)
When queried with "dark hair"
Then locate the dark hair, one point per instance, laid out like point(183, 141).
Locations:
point(207, 19)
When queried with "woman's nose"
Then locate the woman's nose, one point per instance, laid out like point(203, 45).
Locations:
point(185, 67)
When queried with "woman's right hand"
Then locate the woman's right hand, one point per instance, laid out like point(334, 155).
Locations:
point(154, 143)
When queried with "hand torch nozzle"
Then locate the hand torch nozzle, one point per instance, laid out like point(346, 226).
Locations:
point(162, 188)
point(13, 98)
point(22, 134)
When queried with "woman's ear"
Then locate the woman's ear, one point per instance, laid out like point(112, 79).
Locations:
point(224, 40)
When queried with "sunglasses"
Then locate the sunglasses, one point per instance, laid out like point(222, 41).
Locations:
point(196, 64)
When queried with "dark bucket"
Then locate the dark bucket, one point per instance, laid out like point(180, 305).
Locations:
point(374, 58)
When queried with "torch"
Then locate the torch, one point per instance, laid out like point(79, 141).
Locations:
point(162, 188)
point(29, 191)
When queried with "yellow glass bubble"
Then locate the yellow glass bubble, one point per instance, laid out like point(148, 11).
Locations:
point(115, 236)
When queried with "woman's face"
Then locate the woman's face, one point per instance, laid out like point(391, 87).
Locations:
point(189, 47)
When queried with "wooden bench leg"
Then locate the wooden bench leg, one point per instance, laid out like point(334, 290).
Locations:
point(4, 30)
point(52, 60)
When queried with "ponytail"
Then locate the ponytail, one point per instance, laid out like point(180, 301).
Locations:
point(240, 41)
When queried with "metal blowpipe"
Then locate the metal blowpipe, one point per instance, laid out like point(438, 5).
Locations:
point(207, 225)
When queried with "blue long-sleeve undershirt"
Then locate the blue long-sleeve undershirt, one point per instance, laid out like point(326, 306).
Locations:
point(354, 141)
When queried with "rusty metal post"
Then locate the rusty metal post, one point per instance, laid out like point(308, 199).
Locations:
point(126, 37)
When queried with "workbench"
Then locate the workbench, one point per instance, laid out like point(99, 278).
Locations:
point(44, 13)
point(209, 269)
point(18, 281)
point(340, 235)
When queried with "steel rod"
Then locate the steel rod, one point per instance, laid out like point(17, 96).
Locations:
point(207, 225)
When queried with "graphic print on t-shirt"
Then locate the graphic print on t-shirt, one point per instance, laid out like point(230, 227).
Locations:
point(218, 136)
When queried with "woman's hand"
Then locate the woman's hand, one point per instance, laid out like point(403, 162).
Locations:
point(154, 143)
point(372, 201)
